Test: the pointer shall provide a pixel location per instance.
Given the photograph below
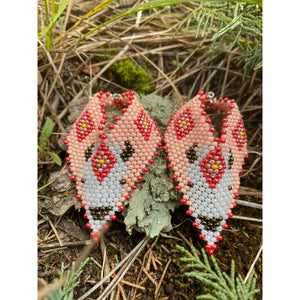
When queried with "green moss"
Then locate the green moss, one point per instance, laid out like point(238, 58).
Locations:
point(127, 74)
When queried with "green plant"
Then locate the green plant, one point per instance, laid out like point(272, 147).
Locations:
point(66, 292)
point(51, 20)
point(224, 287)
point(46, 132)
point(131, 76)
point(239, 23)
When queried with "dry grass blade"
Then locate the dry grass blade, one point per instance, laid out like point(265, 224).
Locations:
point(253, 264)
point(131, 255)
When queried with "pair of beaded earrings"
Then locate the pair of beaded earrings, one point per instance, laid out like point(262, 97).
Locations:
point(106, 167)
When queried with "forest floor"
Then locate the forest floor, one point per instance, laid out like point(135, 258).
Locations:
point(166, 64)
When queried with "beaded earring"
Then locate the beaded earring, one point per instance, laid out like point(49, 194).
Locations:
point(107, 167)
point(207, 164)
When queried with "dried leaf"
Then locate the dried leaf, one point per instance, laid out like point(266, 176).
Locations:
point(94, 70)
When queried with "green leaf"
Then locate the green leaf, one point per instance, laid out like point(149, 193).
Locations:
point(55, 157)
point(47, 43)
point(53, 21)
point(46, 132)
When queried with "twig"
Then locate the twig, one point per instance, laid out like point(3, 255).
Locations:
point(149, 277)
point(122, 272)
point(253, 264)
point(139, 246)
point(249, 204)
point(55, 231)
point(132, 284)
point(247, 218)
point(65, 244)
point(162, 277)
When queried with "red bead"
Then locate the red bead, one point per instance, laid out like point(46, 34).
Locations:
point(195, 224)
point(165, 148)
point(202, 236)
point(78, 196)
point(236, 194)
point(177, 187)
point(121, 207)
point(123, 110)
point(88, 225)
point(67, 158)
point(101, 127)
point(212, 185)
point(208, 121)
point(127, 197)
point(174, 177)
point(69, 168)
point(170, 166)
point(92, 234)
point(107, 94)
point(183, 201)
point(96, 240)
point(214, 246)
point(155, 153)
point(201, 93)
point(233, 204)
point(73, 177)
point(211, 252)
point(66, 142)
point(117, 118)
point(230, 215)
point(222, 140)
point(216, 139)
point(212, 129)
point(140, 178)
point(111, 126)
point(103, 122)
point(203, 113)
point(134, 187)
point(208, 247)
point(85, 216)
point(151, 161)
point(159, 144)
point(224, 120)
point(105, 226)
point(202, 105)
point(225, 226)
point(113, 217)
point(188, 212)
point(228, 113)
point(219, 237)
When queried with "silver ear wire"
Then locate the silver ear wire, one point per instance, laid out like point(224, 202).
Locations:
point(115, 96)
point(212, 97)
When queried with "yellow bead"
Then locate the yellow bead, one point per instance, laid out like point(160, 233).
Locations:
point(83, 125)
point(241, 133)
point(183, 122)
point(101, 161)
point(215, 167)
point(145, 123)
